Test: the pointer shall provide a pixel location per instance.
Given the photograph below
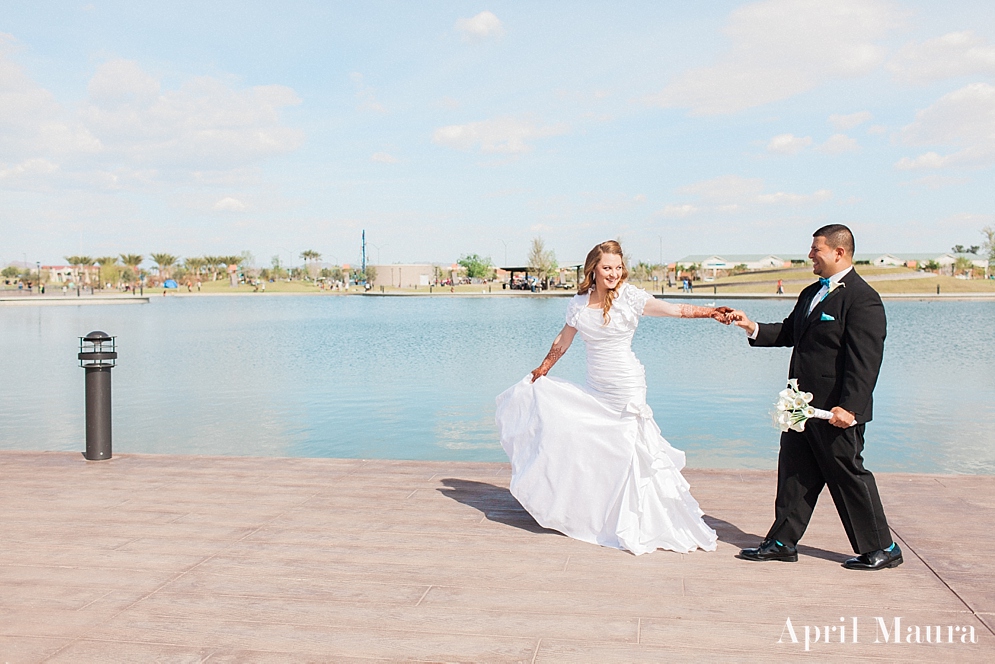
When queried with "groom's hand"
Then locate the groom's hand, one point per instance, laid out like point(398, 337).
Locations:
point(841, 418)
point(722, 314)
point(742, 321)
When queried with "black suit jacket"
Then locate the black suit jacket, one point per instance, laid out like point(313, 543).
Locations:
point(837, 360)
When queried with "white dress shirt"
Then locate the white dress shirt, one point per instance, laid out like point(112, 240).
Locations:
point(819, 296)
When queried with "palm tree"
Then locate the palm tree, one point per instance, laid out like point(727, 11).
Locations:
point(310, 255)
point(108, 271)
point(164, 262)
point(212, 263)
point(132, 261)
point(195, 265)
point(79, 264)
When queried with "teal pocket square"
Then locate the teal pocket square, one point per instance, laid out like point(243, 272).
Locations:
point(826, 316)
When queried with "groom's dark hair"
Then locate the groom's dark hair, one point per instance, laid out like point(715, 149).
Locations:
point(837, 235)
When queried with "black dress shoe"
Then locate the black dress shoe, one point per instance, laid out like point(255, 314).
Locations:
point(880, 559)
point(769, 549)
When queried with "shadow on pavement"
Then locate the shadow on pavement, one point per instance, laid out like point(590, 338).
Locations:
point(730, 533)
point(494, 502)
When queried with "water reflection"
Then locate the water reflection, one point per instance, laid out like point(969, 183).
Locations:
point(416, 379)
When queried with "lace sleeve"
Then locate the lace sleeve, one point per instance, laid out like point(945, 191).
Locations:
point(577, 304)
point(636, 298)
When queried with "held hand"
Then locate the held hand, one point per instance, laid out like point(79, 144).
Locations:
point(742, 321)
point(841, 418)
point(722, 314)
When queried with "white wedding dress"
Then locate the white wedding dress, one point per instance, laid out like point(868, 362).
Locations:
point(590, 461)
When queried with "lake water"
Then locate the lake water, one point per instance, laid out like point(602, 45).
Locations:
point(415, 378)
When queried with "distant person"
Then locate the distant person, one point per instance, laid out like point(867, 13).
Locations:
point(836, 331)
point(590, 461)
point(780, 287)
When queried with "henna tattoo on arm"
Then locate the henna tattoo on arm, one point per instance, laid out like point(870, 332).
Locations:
point(554, 354)
point(720, 314)
point(692, 311)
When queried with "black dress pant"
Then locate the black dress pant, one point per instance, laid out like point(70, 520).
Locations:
point(825, 455)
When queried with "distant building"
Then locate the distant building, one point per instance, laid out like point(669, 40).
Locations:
point(948, 260)
point(405, 275)
point(64, 274)
point(712, 264)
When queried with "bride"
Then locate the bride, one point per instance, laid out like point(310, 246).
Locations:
point(590, 461)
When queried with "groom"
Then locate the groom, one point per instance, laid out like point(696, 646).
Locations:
point(837, 330)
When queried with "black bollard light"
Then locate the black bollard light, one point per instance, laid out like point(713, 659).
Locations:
point(97, 355)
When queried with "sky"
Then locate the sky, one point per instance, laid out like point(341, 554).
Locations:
point(451, 128)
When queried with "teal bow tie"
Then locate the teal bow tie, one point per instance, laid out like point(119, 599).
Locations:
point(824, 282)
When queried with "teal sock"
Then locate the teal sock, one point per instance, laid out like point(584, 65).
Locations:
point(890, 548)
point(778, 542)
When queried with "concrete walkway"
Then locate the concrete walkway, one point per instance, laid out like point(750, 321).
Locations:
point(191, 559)
point(70, 300)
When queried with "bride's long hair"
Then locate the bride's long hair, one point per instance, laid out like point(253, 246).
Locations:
point(591, 264)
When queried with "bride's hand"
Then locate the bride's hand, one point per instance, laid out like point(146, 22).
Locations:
point(537, 372)
point(723, 315)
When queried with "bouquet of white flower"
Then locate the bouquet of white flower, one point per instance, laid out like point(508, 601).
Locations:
point(793, 409)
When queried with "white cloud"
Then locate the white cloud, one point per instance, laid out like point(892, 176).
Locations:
point(205, 122)
point(28, 168)
point(877, 129)
point(32, 122)
point(839, 144)
point(483, 25)
point(780, 48)
point(504, 135)
point(131, 133)
point(964, 118)
point(613, 204)
point(229, 204)
point(384, 158)
point(678, 211)
point(847, 122)
point(366, 95)
point(935, 182)
point(788, 144)
point(925, 160)
point(780, 197)
point(954, 54)
point(731, 193)
point(725, 188)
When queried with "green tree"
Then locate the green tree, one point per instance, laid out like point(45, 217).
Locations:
point(963, 265)
point(164, 262)
point(110, 272)
point(79, 265)
point(542, 261)
point(641, 271)
point(10, 272)
point(310, 257)
point(333, 273)
point(131, 262)
point(277, 270)
point(196, 265)
point(989, 246)
point(212, 263)
point(476, 267)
